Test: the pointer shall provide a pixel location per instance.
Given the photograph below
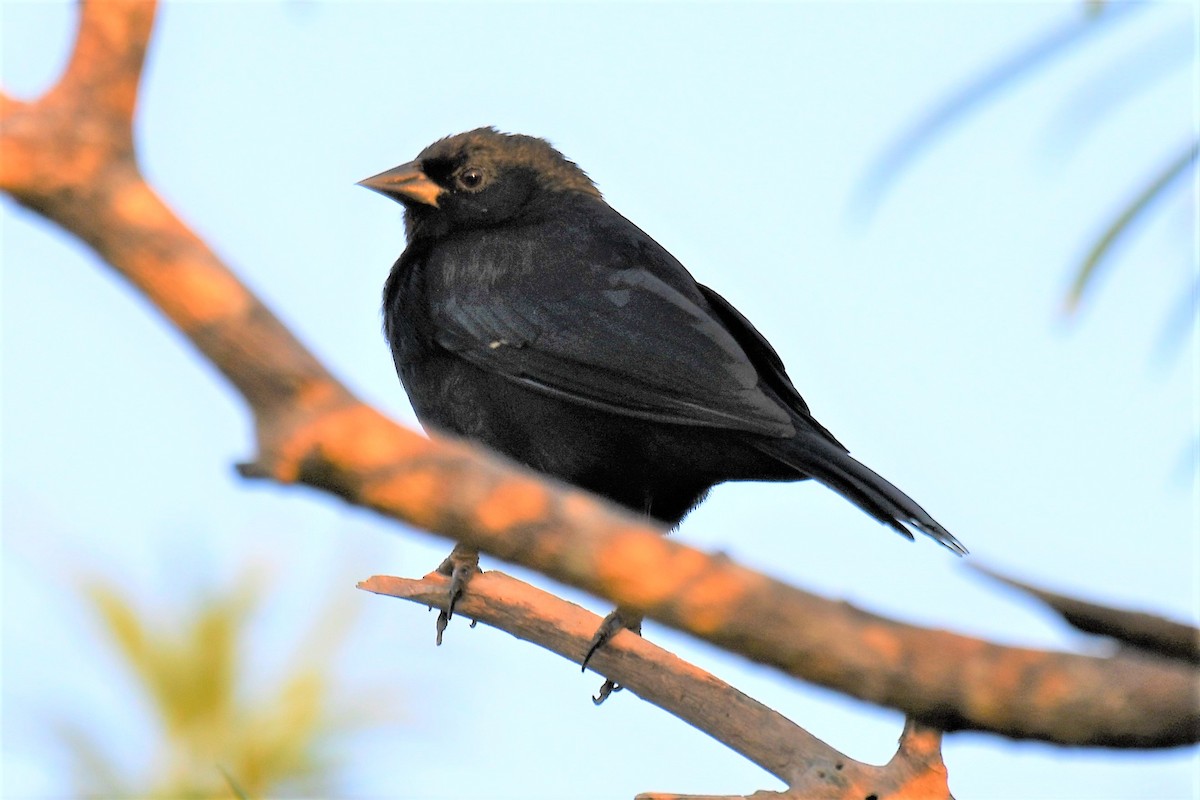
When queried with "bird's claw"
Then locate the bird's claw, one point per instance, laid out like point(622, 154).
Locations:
point(460, 566)
point(442, 621)
point(606, 688)
point(612, 624)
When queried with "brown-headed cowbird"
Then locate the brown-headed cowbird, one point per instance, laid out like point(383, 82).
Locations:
point(527, 315)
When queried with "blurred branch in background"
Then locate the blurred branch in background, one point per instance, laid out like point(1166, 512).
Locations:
point(1146, 632)
point(1023, 65)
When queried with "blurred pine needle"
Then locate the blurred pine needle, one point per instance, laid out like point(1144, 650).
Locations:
point(1151, 193)
point(955, 108)
point(1020, 66)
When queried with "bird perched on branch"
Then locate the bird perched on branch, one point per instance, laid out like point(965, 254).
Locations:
point(527, 315)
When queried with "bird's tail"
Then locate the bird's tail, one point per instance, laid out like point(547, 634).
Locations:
point(827, 462)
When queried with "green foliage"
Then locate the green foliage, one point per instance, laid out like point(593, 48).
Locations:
point(216, 740)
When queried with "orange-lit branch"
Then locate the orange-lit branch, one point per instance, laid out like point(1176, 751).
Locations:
point(69, 156)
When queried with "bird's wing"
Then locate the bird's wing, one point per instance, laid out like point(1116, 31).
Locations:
point(766, 361)
point(622, 340)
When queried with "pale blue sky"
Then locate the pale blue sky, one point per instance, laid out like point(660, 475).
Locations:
point(929, 341)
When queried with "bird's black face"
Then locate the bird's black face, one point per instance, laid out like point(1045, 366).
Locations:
point(442, 194)
point(475, 192)
point(478, 179)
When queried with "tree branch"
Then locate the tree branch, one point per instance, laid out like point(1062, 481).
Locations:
point(69, 157)
point(810, 767)
point(1147, 632)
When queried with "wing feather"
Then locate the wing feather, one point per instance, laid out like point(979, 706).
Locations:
point(624, 341)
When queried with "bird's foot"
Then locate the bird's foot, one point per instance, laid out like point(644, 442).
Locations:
point(606, 688)
point(460, 566)
point(615, 622)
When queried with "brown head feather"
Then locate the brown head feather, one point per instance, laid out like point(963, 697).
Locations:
point(488, 147)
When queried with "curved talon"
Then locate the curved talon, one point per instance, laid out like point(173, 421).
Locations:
point(442, 621)
point(597, 641)
point(606, 688)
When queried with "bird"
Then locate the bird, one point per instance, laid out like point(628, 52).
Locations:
point(527, 315)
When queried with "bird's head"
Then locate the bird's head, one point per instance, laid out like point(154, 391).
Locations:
point(478, 179)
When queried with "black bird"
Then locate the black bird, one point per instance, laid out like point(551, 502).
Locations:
point(529, 316)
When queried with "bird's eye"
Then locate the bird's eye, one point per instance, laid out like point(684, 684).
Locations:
point(470, 178)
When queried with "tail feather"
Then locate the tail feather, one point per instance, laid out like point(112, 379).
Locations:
point(827, 463)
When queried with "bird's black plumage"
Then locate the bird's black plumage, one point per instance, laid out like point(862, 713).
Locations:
point(528, 315)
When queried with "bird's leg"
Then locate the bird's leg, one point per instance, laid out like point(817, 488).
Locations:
point(460, 566)
point(619, 618)
point(615, 622)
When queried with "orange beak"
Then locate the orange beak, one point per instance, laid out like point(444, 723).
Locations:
point(405, 183)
